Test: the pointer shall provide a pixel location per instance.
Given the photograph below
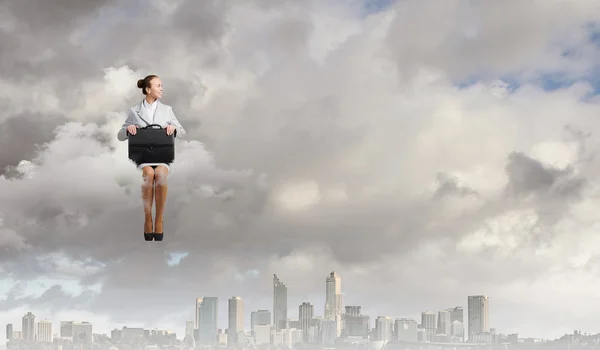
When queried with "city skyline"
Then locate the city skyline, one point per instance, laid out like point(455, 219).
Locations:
point(205, 324)
point(219, 310)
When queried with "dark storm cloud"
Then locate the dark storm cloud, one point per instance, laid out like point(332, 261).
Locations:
point(54, 17)
point(448, 186)
point(22, 135)
point(200, 21)
point(529, 176)
point(40, 46)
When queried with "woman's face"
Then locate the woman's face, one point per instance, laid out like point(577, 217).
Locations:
point(156, 88)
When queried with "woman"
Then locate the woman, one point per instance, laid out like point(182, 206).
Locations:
point(154, 187)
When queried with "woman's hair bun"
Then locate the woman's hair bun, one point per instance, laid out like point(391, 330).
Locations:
point(140, 83)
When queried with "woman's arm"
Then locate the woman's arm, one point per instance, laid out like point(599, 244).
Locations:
point(173, 121)
point(122, 134)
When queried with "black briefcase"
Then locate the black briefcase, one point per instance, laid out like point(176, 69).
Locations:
point(151, 145)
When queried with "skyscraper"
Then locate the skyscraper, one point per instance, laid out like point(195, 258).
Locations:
point(428, 324)
point(456, 314)
point(406, 329)
point(355, 324)
point(384, 328)
point(207, 319)
point(198, 303)
point(260, 318)
point(236, 319)
point(333, 300)
point(444, 322)
point(478, 308)
point(66, 329)
point(279, 304)
point(28, 327)
point(9, 331)
point(305, 315)
point(44, 331)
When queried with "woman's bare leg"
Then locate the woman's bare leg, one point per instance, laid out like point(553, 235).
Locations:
point(160, 196)
point(148, 197)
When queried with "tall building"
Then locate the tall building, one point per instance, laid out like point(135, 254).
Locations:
point(28, 327)
point(444, 322)
point(66, 329)
point(260, 318)
point(279, 304)
point(333, 300)
point(189, 333)
point(207, 319)
point(198, 303)
point(428, 324)
point(406, 330)
point(479, 309)
point(384, 328)
point(9, 331)
point(355, 324)
point(456, 314)
point(306, 312)
point(236, 319)
point(457, 330)
point(82, 332)
point(44, 331)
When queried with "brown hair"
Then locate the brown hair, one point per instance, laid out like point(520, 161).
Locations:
point(145, 83)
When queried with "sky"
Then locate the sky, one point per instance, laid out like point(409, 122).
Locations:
point(423, 150)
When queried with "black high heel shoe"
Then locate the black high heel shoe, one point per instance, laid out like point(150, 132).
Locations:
point(148, 236)
point(158, 236)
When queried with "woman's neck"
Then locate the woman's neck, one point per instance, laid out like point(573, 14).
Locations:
point(150, 100)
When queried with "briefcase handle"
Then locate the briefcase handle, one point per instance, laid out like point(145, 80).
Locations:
point(151, 125)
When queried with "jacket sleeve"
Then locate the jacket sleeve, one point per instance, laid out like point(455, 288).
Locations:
point(173, 121)
point(122, 134)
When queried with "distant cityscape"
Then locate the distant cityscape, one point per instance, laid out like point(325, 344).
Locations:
point(341, 327)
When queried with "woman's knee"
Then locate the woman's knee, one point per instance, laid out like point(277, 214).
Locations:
point(148, 175)
point(160, 175)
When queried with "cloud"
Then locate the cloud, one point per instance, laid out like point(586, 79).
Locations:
point(319, 139)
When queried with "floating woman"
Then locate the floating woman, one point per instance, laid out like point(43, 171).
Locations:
point(154, 188)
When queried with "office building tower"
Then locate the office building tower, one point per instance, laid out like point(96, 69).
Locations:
point(236, 319)
point(279, 304)
point(457, 330)
point(428, 323)
point(82, 333)
point(260, 317)
point(208, 319)
point(66, 329)
point(443, 322)
point(197, 309)
point(384, 328)
point(306, 313)
point(456, 314)
point(355, 324)
point(333, 300)
point(44, 331)
point(406, 329)
point(478, 308)
point(28, 327)
point(9, 331)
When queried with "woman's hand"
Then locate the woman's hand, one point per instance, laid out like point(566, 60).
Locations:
point(170, 129)
point(132, 129)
